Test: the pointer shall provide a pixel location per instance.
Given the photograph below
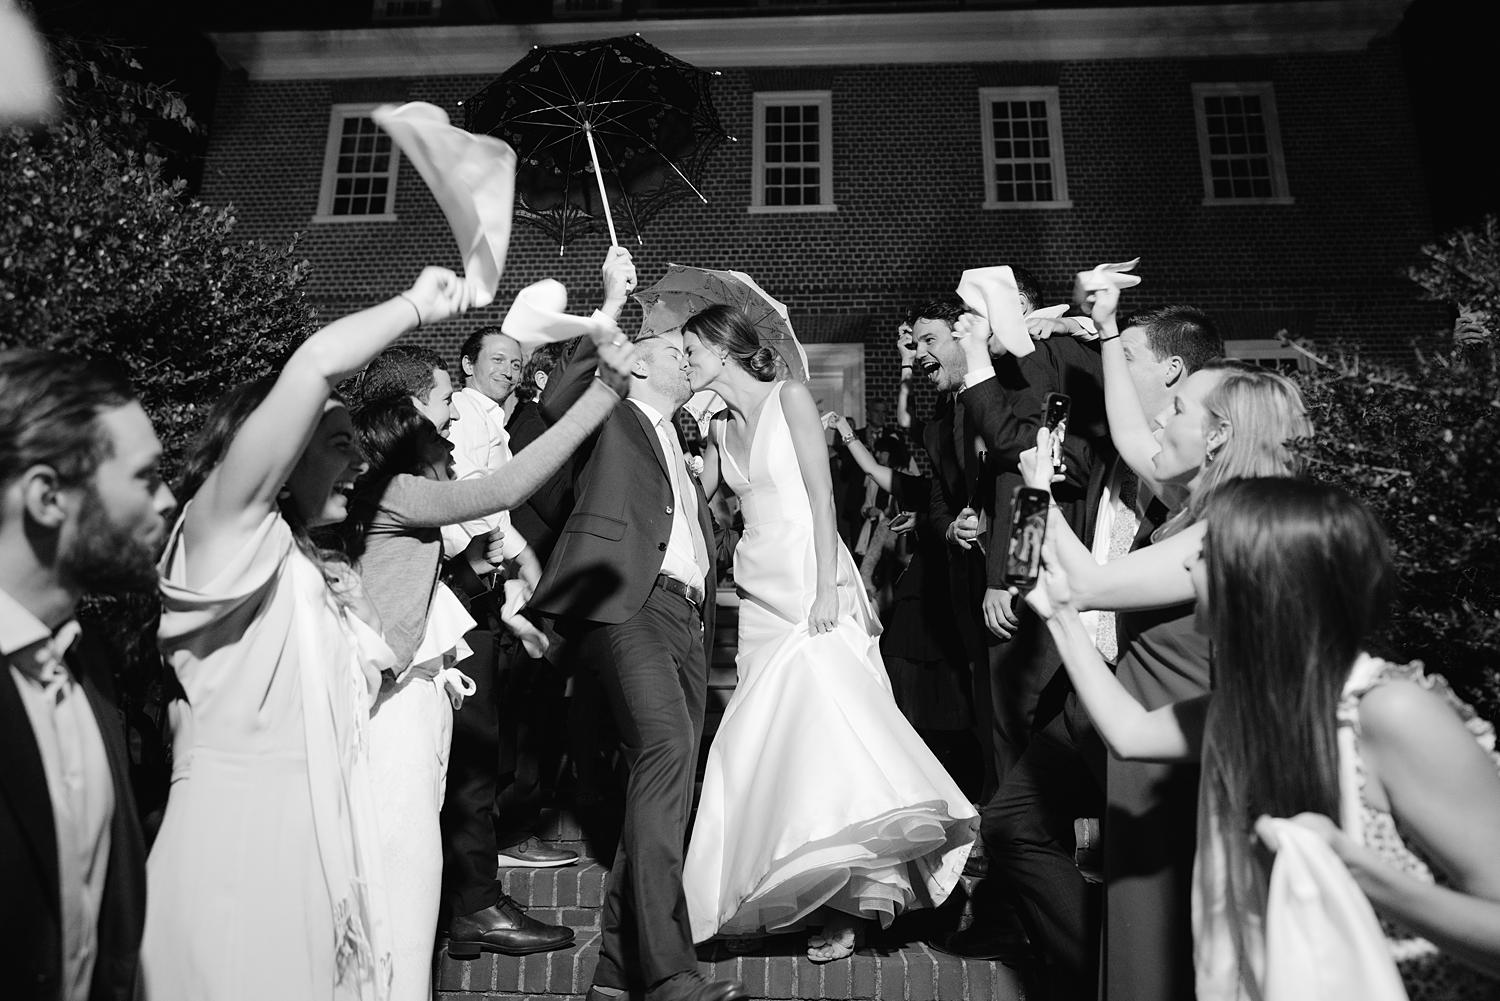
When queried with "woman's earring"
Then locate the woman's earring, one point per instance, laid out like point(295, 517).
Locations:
point(284, 494)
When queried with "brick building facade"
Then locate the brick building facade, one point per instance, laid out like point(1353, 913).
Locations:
point(1321, 258)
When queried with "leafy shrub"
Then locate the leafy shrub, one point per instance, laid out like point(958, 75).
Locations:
point(103, 254)
point(1462, 268)
point(1421, 446)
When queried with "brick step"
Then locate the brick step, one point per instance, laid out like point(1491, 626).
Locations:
point(912, 972)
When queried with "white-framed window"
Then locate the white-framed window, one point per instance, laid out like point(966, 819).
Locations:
point(1269, 352)
point(407, 10)
point(1023, 150)
point(359, 168)
point(1239, 144)
point(793, 152)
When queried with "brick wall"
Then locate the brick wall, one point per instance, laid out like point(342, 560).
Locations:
point(908, 182)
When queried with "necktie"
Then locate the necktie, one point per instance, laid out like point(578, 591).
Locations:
point(1121, 536)
point(960, 431)
point(687, 498)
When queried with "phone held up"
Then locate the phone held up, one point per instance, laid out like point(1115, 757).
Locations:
point(1055, 418)
point(1028, 529)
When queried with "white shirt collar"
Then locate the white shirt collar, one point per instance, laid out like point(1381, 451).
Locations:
point(21, 631)
point(649, 411)
point(483, 402)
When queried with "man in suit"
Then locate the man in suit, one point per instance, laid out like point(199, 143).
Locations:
point(82, 508)
point(631, 585)
point(1005, 399)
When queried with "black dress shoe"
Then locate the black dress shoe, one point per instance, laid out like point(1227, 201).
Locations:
point(974, 942)
point(504, 927)
point(719, 990)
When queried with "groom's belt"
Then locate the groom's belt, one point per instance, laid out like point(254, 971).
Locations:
point(692, 592)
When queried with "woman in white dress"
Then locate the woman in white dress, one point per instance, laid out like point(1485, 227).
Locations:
point(394, 533)
point(264, 881)
point(820, 804)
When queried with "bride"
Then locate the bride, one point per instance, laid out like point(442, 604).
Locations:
point(821, 806)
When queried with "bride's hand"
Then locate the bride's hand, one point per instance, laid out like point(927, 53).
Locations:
point(824, 612)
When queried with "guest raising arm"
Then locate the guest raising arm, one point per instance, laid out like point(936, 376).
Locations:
point(1304, 724)
point(241, 490)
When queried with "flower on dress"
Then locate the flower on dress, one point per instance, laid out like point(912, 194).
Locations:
point(694, 465)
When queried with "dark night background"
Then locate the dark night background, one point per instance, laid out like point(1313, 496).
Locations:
point(1447, 62)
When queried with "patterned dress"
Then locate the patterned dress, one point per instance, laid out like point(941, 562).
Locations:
point(1428, 974)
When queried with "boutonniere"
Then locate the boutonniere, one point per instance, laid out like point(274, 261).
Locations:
point(694, 465)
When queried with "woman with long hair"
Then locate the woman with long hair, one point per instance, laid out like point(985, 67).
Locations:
point(265, 879)
point(1226, 420)
point(393, 533)
point(1292, 582)
point(818, 796)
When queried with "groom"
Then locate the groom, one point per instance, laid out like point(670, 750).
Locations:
point(630, 584)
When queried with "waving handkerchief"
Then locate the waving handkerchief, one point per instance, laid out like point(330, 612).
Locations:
point(25, 80)
point(473, 179)
point(702, 407)
point(991, 292)
point(1105, 276)
point(539, 316)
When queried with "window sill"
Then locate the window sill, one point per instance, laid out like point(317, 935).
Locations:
point(383, 217)
point(1280, 200)
point(1015, 206)
point(789, 209)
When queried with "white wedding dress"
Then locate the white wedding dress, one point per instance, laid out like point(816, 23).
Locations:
point(817, 791)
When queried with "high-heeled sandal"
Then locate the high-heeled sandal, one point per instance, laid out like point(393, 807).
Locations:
point(849, 934)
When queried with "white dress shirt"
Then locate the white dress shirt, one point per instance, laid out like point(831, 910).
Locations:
point(480, 445)
point(79, 782)
point(680, 561)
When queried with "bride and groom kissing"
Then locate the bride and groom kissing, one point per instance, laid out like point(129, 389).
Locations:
point(776, 845)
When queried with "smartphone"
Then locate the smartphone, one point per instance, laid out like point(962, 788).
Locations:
point(1028, 528)
point(1056, 420)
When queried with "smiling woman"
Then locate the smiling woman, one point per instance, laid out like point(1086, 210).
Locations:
point(270, 815)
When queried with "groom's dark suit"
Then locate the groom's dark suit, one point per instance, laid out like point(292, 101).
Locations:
point(647, 645)
point(31, 932)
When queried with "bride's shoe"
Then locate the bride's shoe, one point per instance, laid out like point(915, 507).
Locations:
point(840, 936)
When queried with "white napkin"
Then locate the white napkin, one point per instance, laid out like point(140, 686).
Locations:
point(539, 316)
point(25, 81)
point(992, 293)
point(702, 407)
point(1103, 277)
point(473, 179)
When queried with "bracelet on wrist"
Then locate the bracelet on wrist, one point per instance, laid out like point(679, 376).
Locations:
point(847, 438)
point(1111, 337)
point(414, 308)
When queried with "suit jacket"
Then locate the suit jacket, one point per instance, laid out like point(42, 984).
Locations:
point(1006, 412)
point(611, 547)
point(954, 486)
point(30, 911)
point(541, 516)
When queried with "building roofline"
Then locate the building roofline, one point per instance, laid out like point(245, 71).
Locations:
point(1004, 35)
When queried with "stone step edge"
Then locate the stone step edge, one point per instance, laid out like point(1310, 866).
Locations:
point(913, 973)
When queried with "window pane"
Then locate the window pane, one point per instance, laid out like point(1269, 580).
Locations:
point(1024, 158)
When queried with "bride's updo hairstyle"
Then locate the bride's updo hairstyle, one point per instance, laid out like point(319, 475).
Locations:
point(728, 330)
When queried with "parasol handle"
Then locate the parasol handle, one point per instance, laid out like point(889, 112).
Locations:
point(588, 133)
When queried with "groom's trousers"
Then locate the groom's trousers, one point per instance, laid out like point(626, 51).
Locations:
point(654, 670)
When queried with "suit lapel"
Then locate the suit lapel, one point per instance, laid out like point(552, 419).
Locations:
point(953, 472)
point(649, 430)
point(24, 782)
